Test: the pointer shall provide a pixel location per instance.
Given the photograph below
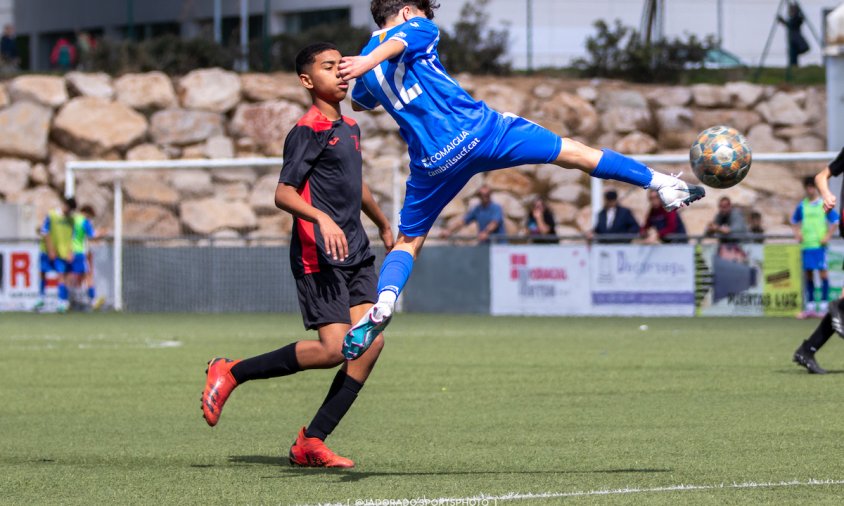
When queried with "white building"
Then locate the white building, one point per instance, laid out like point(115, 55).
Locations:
point(559, 28)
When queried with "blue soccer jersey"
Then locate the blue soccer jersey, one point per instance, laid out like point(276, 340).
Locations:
point(450, 136)
point(436, 117)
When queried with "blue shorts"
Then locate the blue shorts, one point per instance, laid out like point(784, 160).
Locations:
point(80, 264)
point(58, 265)
point(814, 259)
point(512, 141)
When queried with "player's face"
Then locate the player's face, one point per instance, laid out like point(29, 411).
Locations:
point(324, 78)
point(811, 192)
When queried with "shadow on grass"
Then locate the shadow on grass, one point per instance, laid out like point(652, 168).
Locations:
point(351, 475)
point(797, 370)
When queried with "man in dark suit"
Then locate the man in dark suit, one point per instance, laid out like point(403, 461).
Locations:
point(615, 220)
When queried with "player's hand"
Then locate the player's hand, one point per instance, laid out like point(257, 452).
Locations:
point(829, 202)
point(799, 236)
point(387, 238)
point(352, 67)
point(483, 235)
point(335, 239)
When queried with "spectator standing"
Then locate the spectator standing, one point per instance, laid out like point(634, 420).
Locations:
point(9, 50)
point(540, 223)
point(63, 55)
point(813, 227)
point(728, 222)
point(487, 214)
point(667, 224)
point(797, 43)
point(755, 228)
point(615, 220)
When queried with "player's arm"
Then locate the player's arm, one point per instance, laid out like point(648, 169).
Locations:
point(496, 222)
point(822, 182)
point(373, 211)
point(288, 199)
point(48, 241)
point(796, 223)
point(352, 67)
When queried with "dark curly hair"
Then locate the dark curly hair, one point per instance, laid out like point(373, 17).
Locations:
point(382, 10)
point(307, 56)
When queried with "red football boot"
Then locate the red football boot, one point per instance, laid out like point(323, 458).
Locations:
point(218, 387)
point(312, 452)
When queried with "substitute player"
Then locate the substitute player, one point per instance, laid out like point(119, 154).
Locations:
point(451, 137)
point(80, 268)
point(321, 184)
point(832, 320)
point(57, 250)
point(813, 227)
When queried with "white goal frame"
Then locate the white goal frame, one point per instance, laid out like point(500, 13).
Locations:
point(120, 168)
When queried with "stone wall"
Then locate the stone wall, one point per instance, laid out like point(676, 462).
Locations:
point(48, 120)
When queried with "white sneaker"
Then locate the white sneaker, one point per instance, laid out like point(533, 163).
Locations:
point(676, 193)
point(360, 337)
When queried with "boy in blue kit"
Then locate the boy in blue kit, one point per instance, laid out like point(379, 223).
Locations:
point(451, 137)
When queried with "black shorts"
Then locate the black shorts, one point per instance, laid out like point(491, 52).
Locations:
point(326, 296)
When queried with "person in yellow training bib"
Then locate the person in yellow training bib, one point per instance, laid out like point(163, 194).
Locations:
point(80, 268)
point(56, 233)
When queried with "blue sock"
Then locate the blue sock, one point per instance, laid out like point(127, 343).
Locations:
point(92, 293)
point(42, 287)
point(395, 272)
point(622, 168)
point(63, 295)
point(825, 290)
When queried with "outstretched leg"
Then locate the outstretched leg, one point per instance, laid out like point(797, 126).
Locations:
point(395, 271)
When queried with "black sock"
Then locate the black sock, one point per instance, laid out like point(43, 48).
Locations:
point(820, 336)
point(343, 392)
point(280, 362)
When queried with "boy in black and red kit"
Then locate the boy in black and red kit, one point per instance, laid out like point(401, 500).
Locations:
point(321, 184)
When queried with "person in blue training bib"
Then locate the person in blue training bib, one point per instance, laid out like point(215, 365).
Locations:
point(451, 137)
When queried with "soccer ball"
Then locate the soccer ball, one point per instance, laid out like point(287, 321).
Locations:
point(720, 157)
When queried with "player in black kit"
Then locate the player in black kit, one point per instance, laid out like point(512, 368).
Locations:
point(321, 184)
point(832, 321)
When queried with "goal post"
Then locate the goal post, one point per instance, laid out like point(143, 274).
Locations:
point(120, 168)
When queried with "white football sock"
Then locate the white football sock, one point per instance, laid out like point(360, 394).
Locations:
point(387, 297)
point(660, 180)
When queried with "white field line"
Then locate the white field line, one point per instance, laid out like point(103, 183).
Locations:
point(483, 499)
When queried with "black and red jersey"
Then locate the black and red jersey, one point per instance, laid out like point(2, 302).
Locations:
point(322, 161)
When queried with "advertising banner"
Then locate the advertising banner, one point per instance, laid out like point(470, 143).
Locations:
point(730, 279)
point(639, 280)
point(539, 280)
point(783, 280)
point(19, 276)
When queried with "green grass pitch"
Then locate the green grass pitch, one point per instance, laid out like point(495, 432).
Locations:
point(104, 408)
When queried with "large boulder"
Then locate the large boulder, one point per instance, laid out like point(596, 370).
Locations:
point(219, 146)
point(773, 179)
point(182, 127)
point(262, 198)
point(612, 99)
point(150, 188)
point(710, 95)
point(567, 114)
point(42, 199)
point(49, 91)
point(14, 174)
point(276, 225)
point(623, 120)
point(782, 109)
point(24, 129)
point(92, 126)
point(97, 84)
point(671, 96)
point(511, 180)
point(192, 183)
point(267, 123)
point(99, 197)
point(761, 139)
point(214, 90)
point(144, 220)
point(636, 143)
point(675, 126)
point(744, 95)
point(264, 87)
point(148, 91)
point(146, 152)
point(502, 98)
point(741, 120)
point(204, 216)
point(238, 191)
